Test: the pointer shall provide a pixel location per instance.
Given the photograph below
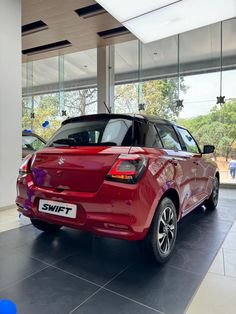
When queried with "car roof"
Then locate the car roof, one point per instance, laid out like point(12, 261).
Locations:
point(140, 117)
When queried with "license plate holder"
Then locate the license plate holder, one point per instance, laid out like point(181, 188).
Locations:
point(57, 208)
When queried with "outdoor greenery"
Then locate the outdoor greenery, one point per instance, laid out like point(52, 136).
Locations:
point(47, 108)
point(217, 128)
point(158, 96)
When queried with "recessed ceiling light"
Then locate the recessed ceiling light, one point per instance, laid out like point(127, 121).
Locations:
point(151, 20)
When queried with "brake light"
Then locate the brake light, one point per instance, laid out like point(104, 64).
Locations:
point(25, 166)
point(128, 168)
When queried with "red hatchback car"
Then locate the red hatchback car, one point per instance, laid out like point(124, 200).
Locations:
point(123, 176)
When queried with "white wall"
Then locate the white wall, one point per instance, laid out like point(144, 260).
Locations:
point(10, 98)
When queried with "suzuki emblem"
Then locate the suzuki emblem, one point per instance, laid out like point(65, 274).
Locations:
point(61, 161)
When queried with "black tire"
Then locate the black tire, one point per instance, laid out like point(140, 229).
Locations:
point(45, 226)
point(159, 243)
point(212, 202)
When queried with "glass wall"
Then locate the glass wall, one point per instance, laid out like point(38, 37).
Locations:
point(189, 78)
point(127, 76)
point(160, 78)
point(210, 100)
point(80, 79)
point(57, 88)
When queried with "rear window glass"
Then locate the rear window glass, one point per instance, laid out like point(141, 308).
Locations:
point(98, 132)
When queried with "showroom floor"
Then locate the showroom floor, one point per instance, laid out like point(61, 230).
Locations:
point(75, 272)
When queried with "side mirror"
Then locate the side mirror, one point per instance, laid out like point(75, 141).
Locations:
point(208, 149)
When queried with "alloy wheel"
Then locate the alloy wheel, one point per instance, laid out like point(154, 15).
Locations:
point(166, 231)
point(215, 191)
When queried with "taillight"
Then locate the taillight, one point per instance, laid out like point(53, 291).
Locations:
point(25, 166)
point(128, 168)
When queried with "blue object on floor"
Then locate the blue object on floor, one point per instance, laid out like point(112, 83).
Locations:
point(7, 307)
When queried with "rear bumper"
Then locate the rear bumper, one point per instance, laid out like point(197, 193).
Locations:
point(116, 210)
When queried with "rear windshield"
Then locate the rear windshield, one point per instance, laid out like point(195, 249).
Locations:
point(105, 132)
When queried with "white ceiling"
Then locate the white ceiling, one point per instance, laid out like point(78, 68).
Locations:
point(200, 45)
point(64, 24)
point(152, 20)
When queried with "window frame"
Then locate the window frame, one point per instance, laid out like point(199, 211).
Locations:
point(153, 124)
point(184, 145)
point(174, 131)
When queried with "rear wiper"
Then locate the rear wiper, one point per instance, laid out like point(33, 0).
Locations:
point(64, 142)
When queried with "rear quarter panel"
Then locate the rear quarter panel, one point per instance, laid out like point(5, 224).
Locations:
point(160, 176)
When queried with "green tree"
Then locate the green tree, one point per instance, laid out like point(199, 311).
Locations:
point(159, 97)
point(217, 128)
point(126, 98)
point(45, 108)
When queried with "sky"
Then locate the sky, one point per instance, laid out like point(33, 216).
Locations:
point(203, 89)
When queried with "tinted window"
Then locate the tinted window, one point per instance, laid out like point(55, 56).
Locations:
point(145, 135)
point(153, 137)
point(168, 137)
point(31, 142)
point(96, 132)
point(189, 141)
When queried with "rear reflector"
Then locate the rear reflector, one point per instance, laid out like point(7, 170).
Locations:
point(128, 168)
point(115, 226)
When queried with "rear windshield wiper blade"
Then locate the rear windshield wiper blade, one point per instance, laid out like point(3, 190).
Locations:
point(64, 142)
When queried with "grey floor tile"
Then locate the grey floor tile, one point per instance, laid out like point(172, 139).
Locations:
point(51, 248)
point(165, 288)
point(50, 291)
point(18, 237)
point(191, 259)
point(15, 266)
point(200, 238)
point(101, 260)
point(220, 219)
point(105, 302)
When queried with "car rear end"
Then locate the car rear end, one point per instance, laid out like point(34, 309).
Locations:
point(90, 177)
